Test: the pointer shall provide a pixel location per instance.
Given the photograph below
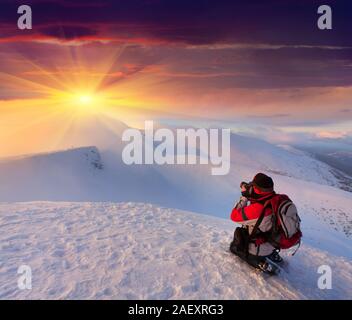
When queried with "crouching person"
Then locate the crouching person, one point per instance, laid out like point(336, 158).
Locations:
point(255, 216)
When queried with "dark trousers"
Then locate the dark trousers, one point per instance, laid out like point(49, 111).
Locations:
point(239, 247)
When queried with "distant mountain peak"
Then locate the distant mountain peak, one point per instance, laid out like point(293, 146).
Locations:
point(92, 156)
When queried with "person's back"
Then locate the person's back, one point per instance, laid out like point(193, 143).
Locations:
point(254, 248)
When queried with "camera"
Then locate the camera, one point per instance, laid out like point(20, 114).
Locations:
point(248, 189)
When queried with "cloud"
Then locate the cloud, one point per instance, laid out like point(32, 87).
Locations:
point(68, 32)
point(261, 46)
point(332, 134)
point(244, 44)
point(270, 116)
point(197, 22)
point(260, 62)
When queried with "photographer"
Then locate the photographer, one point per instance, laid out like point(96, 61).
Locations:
point(253, 247)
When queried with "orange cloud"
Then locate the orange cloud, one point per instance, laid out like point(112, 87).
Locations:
point(332, 134)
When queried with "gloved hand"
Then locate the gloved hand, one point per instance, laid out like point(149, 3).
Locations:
point(243, 202)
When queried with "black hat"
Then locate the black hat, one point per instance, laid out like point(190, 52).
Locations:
point(263, 182)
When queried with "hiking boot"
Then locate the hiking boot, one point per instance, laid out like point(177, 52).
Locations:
point(265, 266)
point(275, 257)
point(268, 268)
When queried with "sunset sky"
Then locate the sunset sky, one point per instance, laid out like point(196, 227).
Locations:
point(254, 66)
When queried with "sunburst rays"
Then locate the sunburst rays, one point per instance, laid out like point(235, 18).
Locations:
point(46, 94)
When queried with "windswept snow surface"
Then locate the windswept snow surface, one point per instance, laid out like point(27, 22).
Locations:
point(86, 174)
point(109, 245)
point(140, 251)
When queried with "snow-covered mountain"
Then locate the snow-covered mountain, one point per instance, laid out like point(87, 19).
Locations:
point(51, 176)
point(97, 240)
point(82, 174)
point(140, 251)
point(282, 160)
point(87, 174)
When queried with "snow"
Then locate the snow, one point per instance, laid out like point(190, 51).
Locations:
point(280, 160)
point(91, 227)
point(141, 251)
point(87, 174)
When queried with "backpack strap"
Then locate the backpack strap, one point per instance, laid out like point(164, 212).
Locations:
point(299, 244)
point(257, 224)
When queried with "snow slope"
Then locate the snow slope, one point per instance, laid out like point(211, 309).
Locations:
point(281, 160)
point(51, 176)
point(80, 174)
point(140, 251)
point(86, 174)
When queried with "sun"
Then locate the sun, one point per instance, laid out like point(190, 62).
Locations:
point(79, 100)
point(85, 99)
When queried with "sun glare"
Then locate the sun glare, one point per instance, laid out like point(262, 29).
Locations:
point(85, 99)
point(81, 101)
point(80, 88)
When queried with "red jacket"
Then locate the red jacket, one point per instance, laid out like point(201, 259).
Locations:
point(249, 214)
